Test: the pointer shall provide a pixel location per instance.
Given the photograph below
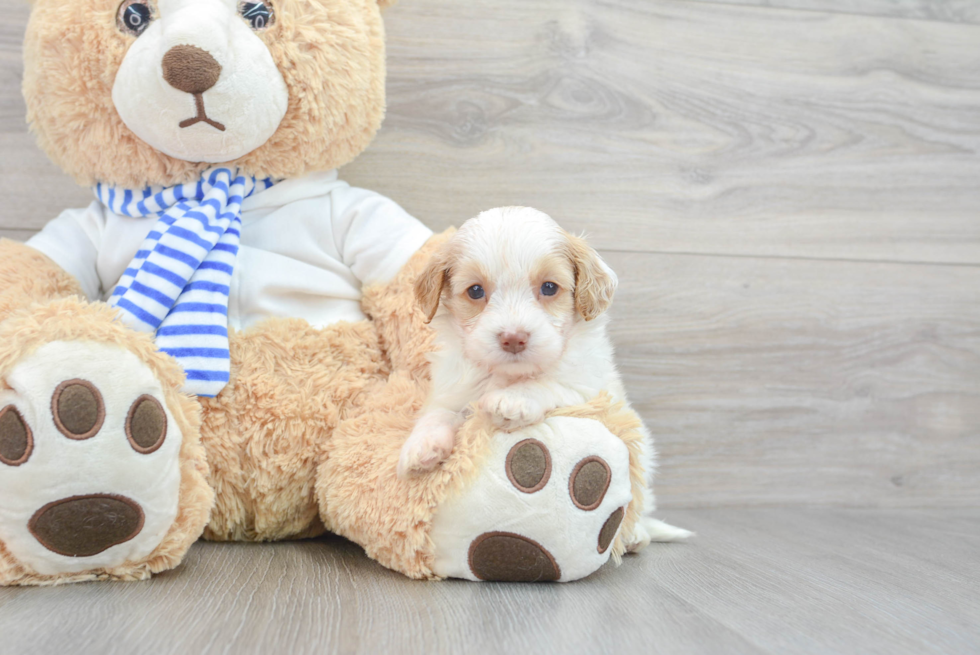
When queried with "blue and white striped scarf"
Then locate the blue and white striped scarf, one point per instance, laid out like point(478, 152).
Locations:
point(177, 285)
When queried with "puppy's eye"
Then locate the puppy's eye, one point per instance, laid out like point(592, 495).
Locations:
point(258, 14)
point(133, 17)
point(549, 289)
point(475, 292)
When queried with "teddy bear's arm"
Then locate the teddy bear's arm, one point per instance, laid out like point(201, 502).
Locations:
point(27, 276)
point(72, 241)
point(374, 235)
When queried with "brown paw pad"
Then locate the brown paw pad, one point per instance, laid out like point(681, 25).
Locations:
point(82, 526)
point(146, 425)
point(588, 483)
point(16, 439)
point(608, 531)
point(529, 465)
point(509, 557)
point(77, 408)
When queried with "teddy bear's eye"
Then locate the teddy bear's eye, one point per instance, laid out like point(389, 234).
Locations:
point(258, 14)
point(133, 17)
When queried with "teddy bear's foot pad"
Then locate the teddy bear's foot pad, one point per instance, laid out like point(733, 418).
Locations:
point(548, 506)
point(83, 526)
point(509, 557)
point(89, 471)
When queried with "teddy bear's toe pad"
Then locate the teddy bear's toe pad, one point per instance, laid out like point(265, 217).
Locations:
point(89, 470)
point(16, 440)
point(547, 506)
point(528, 465)
point(609, 529)
point(588, 483)
point(77, 409)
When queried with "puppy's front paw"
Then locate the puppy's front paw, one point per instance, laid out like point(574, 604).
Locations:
point(511, 411)
point(429, 444)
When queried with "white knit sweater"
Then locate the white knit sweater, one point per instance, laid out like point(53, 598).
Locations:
point(308, 245)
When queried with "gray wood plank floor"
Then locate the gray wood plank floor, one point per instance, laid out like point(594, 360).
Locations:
point(759, 580)
point(689, 127)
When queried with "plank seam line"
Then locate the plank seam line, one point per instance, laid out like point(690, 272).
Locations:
point(762, 7)
point(686, 253)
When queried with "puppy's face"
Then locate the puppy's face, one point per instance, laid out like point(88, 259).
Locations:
point(512, 284)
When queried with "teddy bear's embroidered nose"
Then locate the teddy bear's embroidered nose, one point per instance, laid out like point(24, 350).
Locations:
point(190, 69)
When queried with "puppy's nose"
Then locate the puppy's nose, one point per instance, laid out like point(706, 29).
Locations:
point(513, 342)
point(190, 69)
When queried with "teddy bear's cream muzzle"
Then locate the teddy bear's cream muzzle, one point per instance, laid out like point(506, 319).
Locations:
point(199, 85)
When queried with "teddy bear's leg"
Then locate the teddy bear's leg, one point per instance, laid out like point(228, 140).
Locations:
point(290, 386)
point(549, 504)
point(101, 471)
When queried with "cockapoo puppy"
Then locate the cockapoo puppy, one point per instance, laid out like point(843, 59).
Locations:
point(518, 305)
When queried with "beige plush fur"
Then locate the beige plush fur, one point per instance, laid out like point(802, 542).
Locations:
point(330, 52)
point(27, 276)
point(291, 386)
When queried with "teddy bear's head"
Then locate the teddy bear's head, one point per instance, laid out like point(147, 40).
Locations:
point(137, 92)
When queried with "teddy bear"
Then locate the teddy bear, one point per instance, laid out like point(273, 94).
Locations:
point(225, 343)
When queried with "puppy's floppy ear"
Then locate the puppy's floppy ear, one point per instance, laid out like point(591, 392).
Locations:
point(429, 285)
point(595, 282)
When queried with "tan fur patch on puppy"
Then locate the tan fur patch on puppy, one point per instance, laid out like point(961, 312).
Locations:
point(560, 270)
point(593, 287)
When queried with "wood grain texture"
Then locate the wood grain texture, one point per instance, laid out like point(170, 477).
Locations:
point(688, 127)
point(753, 581)
point(949, 11)
point(812, 382)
